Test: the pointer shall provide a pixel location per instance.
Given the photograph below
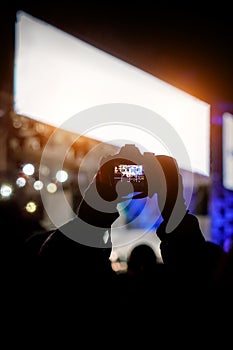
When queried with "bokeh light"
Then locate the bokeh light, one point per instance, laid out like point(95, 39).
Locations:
point(28, 169)
point(61, 175)
point(38, 185)
point(51, 187)
point(31, 207)
point(6, 190)
point(21, 181)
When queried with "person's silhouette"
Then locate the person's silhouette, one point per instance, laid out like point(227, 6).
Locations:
point(180, 233)
point(142, 261)
point(74, 261)
point(75, 258)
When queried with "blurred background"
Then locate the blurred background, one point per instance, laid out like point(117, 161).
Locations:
point(190, 52)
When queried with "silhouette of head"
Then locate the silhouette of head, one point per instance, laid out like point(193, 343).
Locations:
point(142, 259)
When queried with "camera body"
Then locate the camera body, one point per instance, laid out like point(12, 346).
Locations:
point(147, 174)
point(130, 166)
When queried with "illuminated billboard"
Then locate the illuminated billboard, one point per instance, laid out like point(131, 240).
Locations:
point(57, 76)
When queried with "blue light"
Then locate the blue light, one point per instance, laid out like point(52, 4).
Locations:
point(142, 213)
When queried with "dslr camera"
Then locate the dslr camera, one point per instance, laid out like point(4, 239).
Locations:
point(142, 170)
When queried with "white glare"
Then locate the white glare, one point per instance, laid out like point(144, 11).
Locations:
point(28, 169)
point(6, 190)
point(61, 175)
point(38, 185)
point(21, 181)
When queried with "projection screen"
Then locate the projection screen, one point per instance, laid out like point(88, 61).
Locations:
point(57, 76)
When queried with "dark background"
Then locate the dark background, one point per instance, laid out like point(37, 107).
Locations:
point(191, 50)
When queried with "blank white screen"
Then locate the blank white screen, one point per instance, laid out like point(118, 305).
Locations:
point(57, 75)
point(227, 149)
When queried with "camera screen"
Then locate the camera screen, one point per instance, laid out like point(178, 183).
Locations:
point(129, 172)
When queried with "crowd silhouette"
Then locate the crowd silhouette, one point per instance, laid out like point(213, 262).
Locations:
point(49, 273)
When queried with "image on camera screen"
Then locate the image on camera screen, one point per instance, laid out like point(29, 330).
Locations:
point(129, 172)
